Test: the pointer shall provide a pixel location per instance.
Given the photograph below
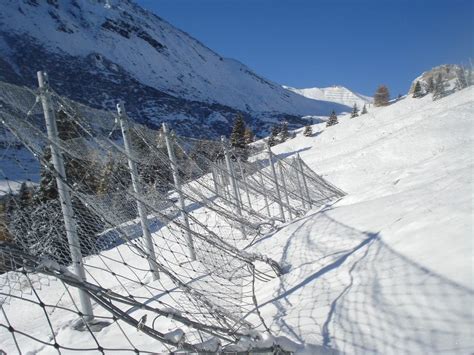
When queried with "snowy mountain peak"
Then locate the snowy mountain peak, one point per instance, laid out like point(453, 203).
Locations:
point(130, 53)
point(336, 93)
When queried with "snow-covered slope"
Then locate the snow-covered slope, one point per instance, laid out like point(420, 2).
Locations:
point(338, 94)
point(388, 269)
point(98, 52)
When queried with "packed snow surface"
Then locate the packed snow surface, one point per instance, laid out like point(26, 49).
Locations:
point(387, 269)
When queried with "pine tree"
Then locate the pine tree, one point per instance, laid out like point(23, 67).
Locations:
point(47, 186)
point(114, 176)
point(332, 120)
point(42, 213)
point(355, 111)
point(4, 234)
point(273, 139)
point(382, 96)
point(78, 171)
point(417, 92)
point(430, 86)
point(25, 194)
point(308, 131)
point(284, 134)
point(237, 137)
point(439, 88)
point(364, 110)
point(461, 80)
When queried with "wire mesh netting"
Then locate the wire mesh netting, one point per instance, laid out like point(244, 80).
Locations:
point(162, 225)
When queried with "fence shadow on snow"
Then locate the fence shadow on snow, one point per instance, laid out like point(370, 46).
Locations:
point(365, 297)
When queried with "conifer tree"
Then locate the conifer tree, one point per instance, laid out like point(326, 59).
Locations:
point(284, 134)
point(439, 88)
point(364, 110)
point(308, 131)
point(461, 80)
point(237, 137)
point(273, 139)
point(332, 120)
point(43, 209)
point(77, 170)
point(355, 111)
point(25, 194)
point(430, 86)
point(4, 234)
point(417, 92)
point(382, 96)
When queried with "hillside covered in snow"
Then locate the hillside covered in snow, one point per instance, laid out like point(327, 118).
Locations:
point(98, 52)
point(385, 269)
point(337, 94)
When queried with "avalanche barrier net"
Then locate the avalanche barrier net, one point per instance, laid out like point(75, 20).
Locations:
point(117, 237)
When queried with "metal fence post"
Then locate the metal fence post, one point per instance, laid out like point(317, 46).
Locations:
point(285, 190)
point(264, 193)
point(233, 183)
point(244, 180)
point(64, 194)
point(300, 188)
point(122, 115)
point(308, 196)
point(277, 187)
point(214, 180)
point(177, 186)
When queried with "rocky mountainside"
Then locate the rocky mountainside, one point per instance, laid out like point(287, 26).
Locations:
point(449, 74)
point(337, 94)
point(101, 51)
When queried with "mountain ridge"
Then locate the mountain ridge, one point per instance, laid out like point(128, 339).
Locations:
point(100, 51)
point(336, 93)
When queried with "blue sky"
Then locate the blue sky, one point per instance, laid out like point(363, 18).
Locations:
point(305, 43)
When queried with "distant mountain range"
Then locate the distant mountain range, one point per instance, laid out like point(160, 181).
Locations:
point(336, 94)
point(98, 52)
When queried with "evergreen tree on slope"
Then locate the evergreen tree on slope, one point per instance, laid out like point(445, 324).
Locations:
point(355, 111)
point(417, 91)
point(284, 134)
point(430, 86)
point(332, 120)
point(439, 88)
point(273, 138)
point(237, 138)
point(382, 96)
